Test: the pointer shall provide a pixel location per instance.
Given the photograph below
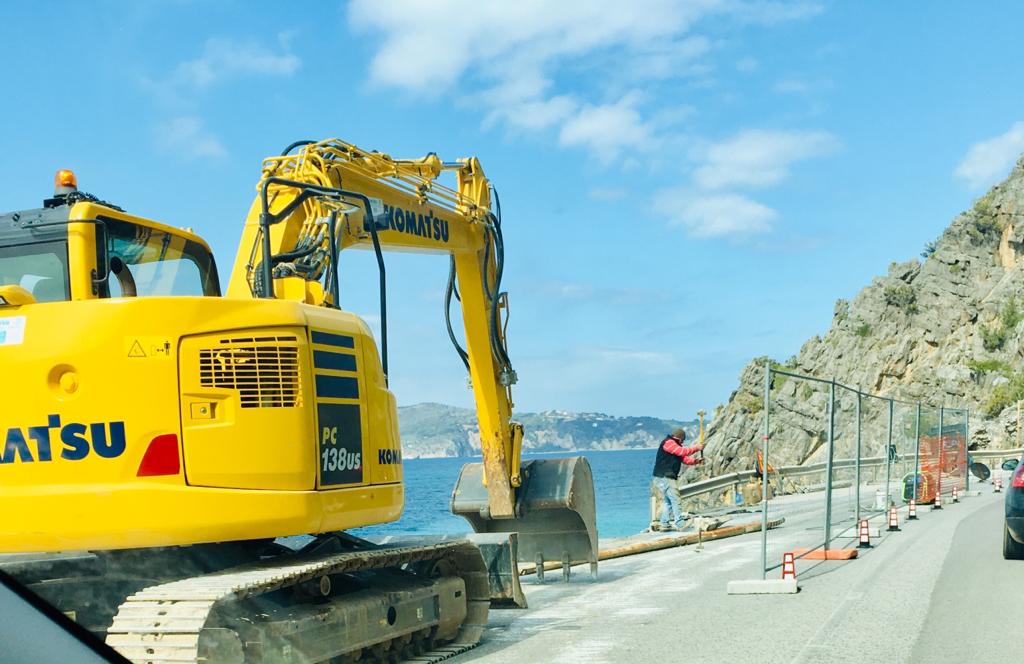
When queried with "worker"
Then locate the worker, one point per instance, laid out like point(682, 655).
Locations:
point(671, 455)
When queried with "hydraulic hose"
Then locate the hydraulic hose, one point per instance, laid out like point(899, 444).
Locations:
point(448, 292)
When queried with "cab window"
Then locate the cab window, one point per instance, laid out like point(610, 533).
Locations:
point(41, 268)
point(158, 263)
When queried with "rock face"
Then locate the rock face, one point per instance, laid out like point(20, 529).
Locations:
point(944, 330)
point(436, 430)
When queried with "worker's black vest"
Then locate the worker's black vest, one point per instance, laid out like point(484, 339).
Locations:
point(665, 464)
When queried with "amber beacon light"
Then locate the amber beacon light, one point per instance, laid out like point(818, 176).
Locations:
point(64, 181)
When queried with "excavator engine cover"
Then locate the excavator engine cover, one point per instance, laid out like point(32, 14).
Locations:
point(555, 506)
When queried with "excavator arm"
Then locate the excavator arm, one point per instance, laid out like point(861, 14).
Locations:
point(328, 196)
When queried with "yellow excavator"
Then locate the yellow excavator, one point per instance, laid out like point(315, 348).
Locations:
point(179, 467)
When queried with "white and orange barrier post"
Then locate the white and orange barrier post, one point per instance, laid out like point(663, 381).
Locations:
point(894, 520)
point(788, 566)
point(865, 535)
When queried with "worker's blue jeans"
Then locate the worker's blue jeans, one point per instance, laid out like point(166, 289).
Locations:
point(670, 502)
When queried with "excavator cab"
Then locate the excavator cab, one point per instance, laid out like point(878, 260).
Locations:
point(77, 247)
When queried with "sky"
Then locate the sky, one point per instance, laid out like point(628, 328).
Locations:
point(685, 185)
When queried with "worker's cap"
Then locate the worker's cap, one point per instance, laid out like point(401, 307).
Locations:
point(679, 433)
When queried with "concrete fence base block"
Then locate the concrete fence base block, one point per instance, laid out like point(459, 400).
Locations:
point(970, 494)
point(762, 587)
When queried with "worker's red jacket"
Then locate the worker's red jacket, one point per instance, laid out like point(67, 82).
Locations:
point(671, 455)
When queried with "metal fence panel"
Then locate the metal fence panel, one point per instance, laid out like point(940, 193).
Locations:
point(849, 455)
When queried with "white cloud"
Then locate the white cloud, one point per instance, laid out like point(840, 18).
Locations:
point(670, 58)
point(792, 86)
point(715, 216)
point(758, 158)
point(771, 13)
point(533, 113)
point(574, 292)
point(221, 60)
point(640, 361)
point(505, 56)
point(607, 194)
point(607, 130)
point(988, 160)
point(187, 137)
point(747, 65)
point(227, 58)
point(582, 369)
point(427, 47)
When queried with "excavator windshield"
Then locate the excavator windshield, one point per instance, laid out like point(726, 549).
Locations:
point(157, 262)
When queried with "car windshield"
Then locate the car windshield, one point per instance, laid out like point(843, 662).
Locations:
point(41, 268)
point(160, 263)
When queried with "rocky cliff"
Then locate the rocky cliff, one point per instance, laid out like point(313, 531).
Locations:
point(944, 329)
point(436, 430)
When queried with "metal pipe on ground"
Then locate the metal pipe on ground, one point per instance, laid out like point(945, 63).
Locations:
point(663, 543)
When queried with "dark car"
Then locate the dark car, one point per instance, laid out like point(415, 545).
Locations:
point(1013, 536)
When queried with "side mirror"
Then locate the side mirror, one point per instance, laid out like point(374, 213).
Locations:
point(1010, 464)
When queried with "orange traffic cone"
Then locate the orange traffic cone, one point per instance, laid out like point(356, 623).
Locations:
point(997, 485)
point(937, 505)
point(912, 510)
point(788, 566)
point(865, 535)
point(894, 520)
point(956, 497)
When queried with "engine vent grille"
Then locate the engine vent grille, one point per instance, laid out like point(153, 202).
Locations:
point(264, 370)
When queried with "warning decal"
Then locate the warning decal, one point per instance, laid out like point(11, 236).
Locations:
point(12, 331)
point(148, 348)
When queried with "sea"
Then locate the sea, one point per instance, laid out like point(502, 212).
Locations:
point(622, 481)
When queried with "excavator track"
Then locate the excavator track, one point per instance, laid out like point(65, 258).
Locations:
point(209, 618)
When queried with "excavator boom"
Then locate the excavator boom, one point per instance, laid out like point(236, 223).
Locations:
point(371, 199)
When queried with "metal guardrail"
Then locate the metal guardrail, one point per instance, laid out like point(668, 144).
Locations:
point(721, 482)
point(996, 454)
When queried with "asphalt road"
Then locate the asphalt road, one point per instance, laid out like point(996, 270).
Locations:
point(976, 611)
point(936, 591)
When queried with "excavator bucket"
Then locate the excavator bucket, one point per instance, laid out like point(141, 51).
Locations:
point(555, 506)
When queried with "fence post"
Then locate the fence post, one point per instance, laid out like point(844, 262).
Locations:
point(857, 463)
point(942, 449)
point(967, 446)
point(764, 468)
point(888, 461)
point(917, 450)
point(828, 471)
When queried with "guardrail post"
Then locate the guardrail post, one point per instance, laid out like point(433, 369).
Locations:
point(888, 461)
point(828, 466)
point(764, 467)
point(917, 451)
point(857, 466)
